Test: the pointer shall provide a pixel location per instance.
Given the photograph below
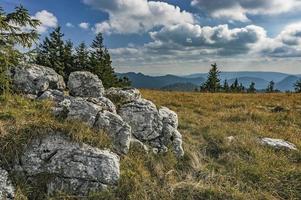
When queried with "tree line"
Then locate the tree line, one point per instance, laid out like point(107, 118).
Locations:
point(53, 52)
point(213, 84)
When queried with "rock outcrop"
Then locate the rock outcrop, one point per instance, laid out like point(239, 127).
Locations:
point(278, 144)
point(121, 112)
point(73, 168)
point(119, 130)
point(7, 190)
point(35, 79)
point(85, 84)
point(122, 96)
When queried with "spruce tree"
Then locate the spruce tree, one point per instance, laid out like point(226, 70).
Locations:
point(82, 61)
point(69, 60)
point(235, 86)
point(251, 88)
point(11, 35)
point(270, 87)
point(226, 87)
point(298, 86)
point(101, 64)
point(213, 82)
point(51, 52)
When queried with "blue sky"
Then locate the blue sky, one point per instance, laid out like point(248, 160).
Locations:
point(181, 36)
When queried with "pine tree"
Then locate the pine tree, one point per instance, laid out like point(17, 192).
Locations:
point(51, 52)
point(213, 82)
point(235, 86)
point(101, 64)
point(270, 87)
point(251, 88)
point(69, 60)
point(11, 35)
point(298, 86)
point(226, 87)
point(81, 57)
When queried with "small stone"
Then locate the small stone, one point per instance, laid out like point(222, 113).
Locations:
point(122, 96)
point(278, 143)
point(7, 190)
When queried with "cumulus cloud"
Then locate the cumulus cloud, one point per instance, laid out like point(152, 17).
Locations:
point(47, 19)
point(224, 40)
point(84, 25)
point(69, 25)
point(240, 9)
point(136, 16)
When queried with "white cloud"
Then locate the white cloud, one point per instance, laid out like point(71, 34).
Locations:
point(136, 16)
point(84, 25)
point(47, 19)
point(69, 25)
point(240, 9)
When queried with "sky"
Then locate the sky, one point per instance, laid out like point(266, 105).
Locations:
point(180, 37)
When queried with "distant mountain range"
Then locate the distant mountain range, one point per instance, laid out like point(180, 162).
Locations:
point(283, 81)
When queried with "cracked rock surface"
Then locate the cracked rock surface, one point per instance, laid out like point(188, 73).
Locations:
point(35, 79)
point(74, 168)
point(85, 84)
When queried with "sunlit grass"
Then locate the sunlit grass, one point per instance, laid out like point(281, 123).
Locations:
point(212, 168)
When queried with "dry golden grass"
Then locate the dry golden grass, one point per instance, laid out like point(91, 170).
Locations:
point(212, 168)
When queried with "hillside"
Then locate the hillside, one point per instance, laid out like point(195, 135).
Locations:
point(212, 168)
point(283, 81)
point(140, 80)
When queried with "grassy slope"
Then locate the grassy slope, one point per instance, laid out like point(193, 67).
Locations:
point(212, 167)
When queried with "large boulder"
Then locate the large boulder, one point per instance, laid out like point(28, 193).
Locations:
point(7, 190)
point(35, 79)
point(144, 118)
point(85, 84)
point(122, 96)
point(71, 167)
point(278, 143)
point(77, 108)
point(114, 125)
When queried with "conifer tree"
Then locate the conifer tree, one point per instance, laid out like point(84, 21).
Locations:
point(81, 57)
point(298, 86)
point(235, 86)
point(213, 82)
point(12, 34)
point(251, 88)
point(51, 52)
point(69, 59)
point(270, 87)
point(101, 64)
point(226, 87)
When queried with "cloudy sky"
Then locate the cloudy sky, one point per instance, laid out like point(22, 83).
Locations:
point(181, 36)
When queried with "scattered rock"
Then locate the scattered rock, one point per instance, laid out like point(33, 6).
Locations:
point(278, 109)
point(278, 143)
point(35, 79)
point(230, 138)
point(122, 96)
point(7, 190)
point(117, 128)
point(85, 84)
point(143, 116)
point(54, 95)
point(72, 168)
